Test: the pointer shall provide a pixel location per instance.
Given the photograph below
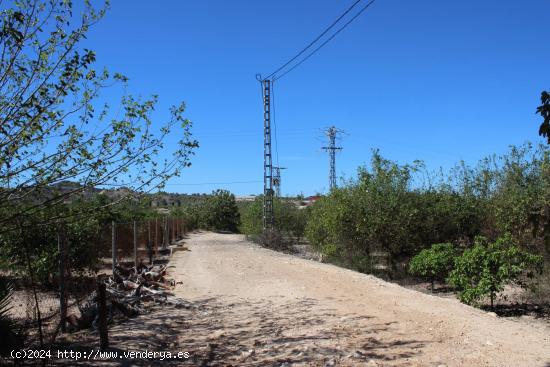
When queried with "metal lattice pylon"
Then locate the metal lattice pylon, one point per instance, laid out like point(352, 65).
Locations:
point(331, 133)
point(277, 179)
point(268, 219)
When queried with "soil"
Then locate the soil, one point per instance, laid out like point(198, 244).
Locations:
point(257, 307)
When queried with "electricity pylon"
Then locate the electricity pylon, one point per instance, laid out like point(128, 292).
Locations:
point(268, 220)
point(277, 179)
point(331, 133)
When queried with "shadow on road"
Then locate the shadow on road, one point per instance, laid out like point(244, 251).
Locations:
point(260, 333)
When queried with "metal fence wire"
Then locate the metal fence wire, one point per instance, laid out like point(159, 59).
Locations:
point(44, 312)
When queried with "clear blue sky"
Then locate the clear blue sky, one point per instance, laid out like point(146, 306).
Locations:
point(433, 80)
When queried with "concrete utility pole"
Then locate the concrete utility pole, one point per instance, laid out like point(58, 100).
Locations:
point(331, 133)
point(277, 180)
point(268, 220)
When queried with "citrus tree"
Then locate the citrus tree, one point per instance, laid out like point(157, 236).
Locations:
point(434, 263)
point(221, 211)
point(487, 267)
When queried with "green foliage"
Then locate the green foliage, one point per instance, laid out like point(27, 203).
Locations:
point(251, 218)
point(434, 263)
point(34, 249)
point(193, 216)
point(289, 219)
point(400, 208)
point(221, 212)
point(55, 125)
point(60, 141)
point(380, 210)
point(487, 267)
point(544, 111)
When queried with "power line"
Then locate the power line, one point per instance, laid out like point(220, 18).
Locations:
point(315, 40)
point(327, 41)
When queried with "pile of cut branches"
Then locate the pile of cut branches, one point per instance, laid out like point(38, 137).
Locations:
point(129, 292)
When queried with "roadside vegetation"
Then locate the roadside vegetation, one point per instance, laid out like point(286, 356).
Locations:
point(63, 139)
point(429, 224)
point(473, 229)
point(290, 223)
point(434, 263)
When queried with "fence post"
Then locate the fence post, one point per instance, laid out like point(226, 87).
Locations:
point(61, 247)
point(113, 245)
point(149, 243)
point(149, 230)
point(156, 234)
point(172, 233)
point(102, 313)
point(165, 239)
point(135, 246)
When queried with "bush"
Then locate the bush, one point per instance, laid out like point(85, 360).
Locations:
point(252, 218)
point(34, 248)
point(487, 267)
point(398, 209)
point(380, 211)
point(275, 240)
point(221, 212)
point(289, 220)
point(434, 263)
point(193, 215)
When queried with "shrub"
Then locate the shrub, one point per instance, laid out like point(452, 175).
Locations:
point(289, 220)
point(34, 249)
point(487, 267)
point(434, 263)
point(381, 211)
point(221, 211)
point(251, 218)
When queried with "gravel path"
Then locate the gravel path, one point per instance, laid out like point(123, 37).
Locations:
point(260, 307)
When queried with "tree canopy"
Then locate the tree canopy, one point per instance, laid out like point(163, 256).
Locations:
point(56, 127)
point(544, 111)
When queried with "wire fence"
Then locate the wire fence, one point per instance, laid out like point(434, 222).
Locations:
point(139, 241)
point(45, 312)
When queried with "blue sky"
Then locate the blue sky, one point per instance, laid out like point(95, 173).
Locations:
point(438, 81)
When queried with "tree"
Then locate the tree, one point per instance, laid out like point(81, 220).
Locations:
point(54, 125)
point(221, 211)
point(376, 211)
point(486, 268)
point(289, 220)
point(60, 138)
point(251, 218)
point(544, 111)
point(434, 263)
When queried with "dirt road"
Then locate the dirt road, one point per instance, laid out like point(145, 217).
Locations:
point(261, 307)
point(256, 307)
